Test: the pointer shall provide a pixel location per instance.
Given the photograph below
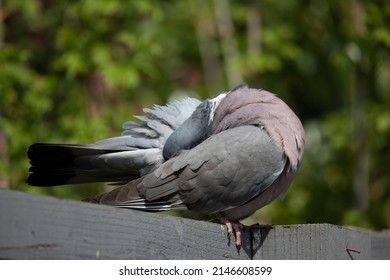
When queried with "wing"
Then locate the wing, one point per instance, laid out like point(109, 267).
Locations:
point(156, 126)
point(223, 172)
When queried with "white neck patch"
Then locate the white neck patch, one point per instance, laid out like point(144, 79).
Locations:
point(214, 104)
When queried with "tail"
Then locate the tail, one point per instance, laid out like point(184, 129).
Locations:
point(61, 164)
point(115, 160)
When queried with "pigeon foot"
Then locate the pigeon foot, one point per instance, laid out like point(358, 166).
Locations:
point(232, 227)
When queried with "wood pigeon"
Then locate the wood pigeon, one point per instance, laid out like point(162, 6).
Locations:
point(229, 155)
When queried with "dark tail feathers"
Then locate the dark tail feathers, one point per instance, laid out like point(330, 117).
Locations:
point(55, 164)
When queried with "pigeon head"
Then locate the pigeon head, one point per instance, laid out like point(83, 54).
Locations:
point(195, 129)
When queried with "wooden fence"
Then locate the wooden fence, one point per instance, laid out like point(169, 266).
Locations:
point(42, 227)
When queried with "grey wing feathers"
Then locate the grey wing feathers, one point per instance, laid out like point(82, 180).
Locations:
point(127, 196)
point(142, 204)
point(146, 139)
point(130, 142)
point(173, 114)
point(162, 120)
point(155, 127)
point(218, 174)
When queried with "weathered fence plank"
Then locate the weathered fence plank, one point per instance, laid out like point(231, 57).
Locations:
point(380, 246)
point(315, 241)
point(42, 227)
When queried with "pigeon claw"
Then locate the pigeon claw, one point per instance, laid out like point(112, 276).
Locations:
point(232, 227)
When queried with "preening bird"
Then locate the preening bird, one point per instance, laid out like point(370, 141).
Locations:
point(228, 156)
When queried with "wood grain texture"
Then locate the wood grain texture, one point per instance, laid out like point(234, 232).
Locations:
point(42, 227)
point(380, 244)
point(315, 241)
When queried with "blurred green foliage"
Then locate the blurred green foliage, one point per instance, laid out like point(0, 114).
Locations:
point(74, 71)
